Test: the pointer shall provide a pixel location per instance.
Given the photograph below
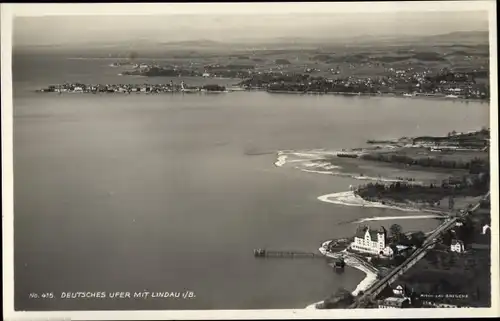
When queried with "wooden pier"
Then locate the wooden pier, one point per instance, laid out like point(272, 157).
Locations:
point(286, 254)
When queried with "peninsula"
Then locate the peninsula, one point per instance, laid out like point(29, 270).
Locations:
point(461, 201)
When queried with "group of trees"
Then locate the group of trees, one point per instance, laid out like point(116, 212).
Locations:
point(397, 237)
point(401, 192)
point(464, 232)
point(264, 79)
point(342, 298)
point(213, 87)
point(456, 273)
point(475, 165)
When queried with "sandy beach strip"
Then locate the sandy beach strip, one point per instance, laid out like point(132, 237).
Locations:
point(329, 170)
point(369, 279)
point(284, 158)
point(317, 172)
point(281, 160)
point(351, 199)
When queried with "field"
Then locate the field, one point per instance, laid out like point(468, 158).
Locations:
point(327, 58)
point(443, 273)
point(459, 155)
point(461, 279)
point(360, 167)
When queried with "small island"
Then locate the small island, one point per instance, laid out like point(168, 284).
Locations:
point(136, 88)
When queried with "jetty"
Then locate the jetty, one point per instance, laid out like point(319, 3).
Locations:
point(285, 254)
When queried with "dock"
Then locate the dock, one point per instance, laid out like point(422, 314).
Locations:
point(286, 254)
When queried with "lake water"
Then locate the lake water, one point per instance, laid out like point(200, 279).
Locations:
point(168, 193)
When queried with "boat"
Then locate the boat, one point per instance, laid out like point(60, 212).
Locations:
point(339, 263)
point(451, 96)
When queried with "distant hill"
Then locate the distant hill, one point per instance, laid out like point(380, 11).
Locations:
point(466, 38)
point(459, 37)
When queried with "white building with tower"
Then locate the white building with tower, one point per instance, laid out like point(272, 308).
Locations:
point(370, 241)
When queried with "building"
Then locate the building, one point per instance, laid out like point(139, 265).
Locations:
point(339, 264)
point(457, 246)
point(399, 291)
point(389, 251)
point(370, 241)
point(394, 303)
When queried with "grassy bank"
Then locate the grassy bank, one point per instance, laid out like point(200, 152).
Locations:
point(431, 194)
point(403, 172)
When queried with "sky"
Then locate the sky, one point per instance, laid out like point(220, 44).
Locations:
point(74, 30)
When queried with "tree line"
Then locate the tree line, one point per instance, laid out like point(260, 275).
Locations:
point(473, 185)
point(475, 165)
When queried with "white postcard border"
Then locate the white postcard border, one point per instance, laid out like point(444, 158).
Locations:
point(8, 11)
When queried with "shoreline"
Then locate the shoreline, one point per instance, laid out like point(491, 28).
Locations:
point(347, 94)
point(39, 91)
point(358, 177)
point(350, 199)
point(385, 95)
point(388, 218)
point(365, 283)
point(323, 165)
